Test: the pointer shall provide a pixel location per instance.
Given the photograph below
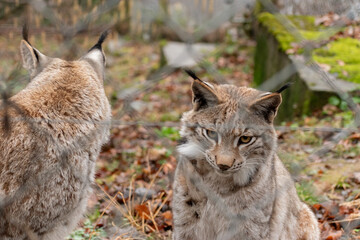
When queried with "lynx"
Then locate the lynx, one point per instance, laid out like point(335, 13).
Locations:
point(229, 182)
point(50, 136)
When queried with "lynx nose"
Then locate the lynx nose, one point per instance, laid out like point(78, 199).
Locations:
point(224, 162)
point(223, 167)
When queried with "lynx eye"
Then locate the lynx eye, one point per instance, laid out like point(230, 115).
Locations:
point(212, 134)
point(244, 139)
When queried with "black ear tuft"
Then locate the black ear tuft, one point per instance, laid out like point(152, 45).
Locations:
point(101, 40)
point(25, 33)
point(102, 37)
point(284, 87)
point(192, 74)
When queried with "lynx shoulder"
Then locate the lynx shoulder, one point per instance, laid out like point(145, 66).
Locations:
point(51, 133)
point(229, 182)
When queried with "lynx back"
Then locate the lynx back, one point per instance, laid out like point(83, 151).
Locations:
point(50, 137)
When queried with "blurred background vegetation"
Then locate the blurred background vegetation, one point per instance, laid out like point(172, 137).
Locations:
point(261, 44)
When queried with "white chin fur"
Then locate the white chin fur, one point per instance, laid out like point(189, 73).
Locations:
point(190, 150)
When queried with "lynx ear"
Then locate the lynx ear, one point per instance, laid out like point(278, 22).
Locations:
point(203, 95)
point(33, 60)
point(29, 57)
point(267, 106)
point(96, 56)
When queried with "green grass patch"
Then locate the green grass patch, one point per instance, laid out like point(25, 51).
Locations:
point(307, 138)
point(168, 132)
point(87, 232)
point(342, 184)
point(306, 192)
point(341, 151)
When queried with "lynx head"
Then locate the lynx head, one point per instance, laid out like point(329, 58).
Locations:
point(231, 127)
point(36, 62)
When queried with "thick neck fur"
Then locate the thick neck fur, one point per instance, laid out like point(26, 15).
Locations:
point(240, 181)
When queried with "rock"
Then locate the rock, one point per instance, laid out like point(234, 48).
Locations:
point(274, 67)
point(127, 93)
point(315, 7)
point(140, 106)
point(314, 81)
point(145, 192)
point(356, 177)
point(179, 54)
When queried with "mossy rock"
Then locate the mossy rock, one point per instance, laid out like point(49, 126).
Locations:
point(305, 25)
point(309, 92)
point(342, 56)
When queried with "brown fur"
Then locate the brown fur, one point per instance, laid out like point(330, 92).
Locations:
point(227, 189)
point(57, 125)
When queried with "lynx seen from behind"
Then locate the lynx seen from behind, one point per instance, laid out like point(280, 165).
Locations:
point(50, 136)
point(229, 182)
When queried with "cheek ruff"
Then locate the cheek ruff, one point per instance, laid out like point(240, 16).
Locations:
point(191, 150)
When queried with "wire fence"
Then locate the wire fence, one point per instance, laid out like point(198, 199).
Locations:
point(187, 21)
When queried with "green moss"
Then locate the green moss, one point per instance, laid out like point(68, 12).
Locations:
point(343, 57)
point(304, 24)
point(310, 35)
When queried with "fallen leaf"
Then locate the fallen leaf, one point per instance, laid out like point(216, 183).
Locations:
point(334, 235)
point(168, 217)
point(340, 62)
point(155, 153)
point(142, 210)
point(324, 66)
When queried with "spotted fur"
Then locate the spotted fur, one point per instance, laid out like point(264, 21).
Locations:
point(229, 182)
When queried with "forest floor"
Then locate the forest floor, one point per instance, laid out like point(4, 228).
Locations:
point(135, 170)
point(132, 192)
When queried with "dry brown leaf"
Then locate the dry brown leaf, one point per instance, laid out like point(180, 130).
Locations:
point(142, 210)
point(155, 153)
point(351, 204)
point(324, 66)
point(334, 235)
point(167, 217)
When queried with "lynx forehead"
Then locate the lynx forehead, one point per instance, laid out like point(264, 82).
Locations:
point(55, 129)
point(229, 182)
